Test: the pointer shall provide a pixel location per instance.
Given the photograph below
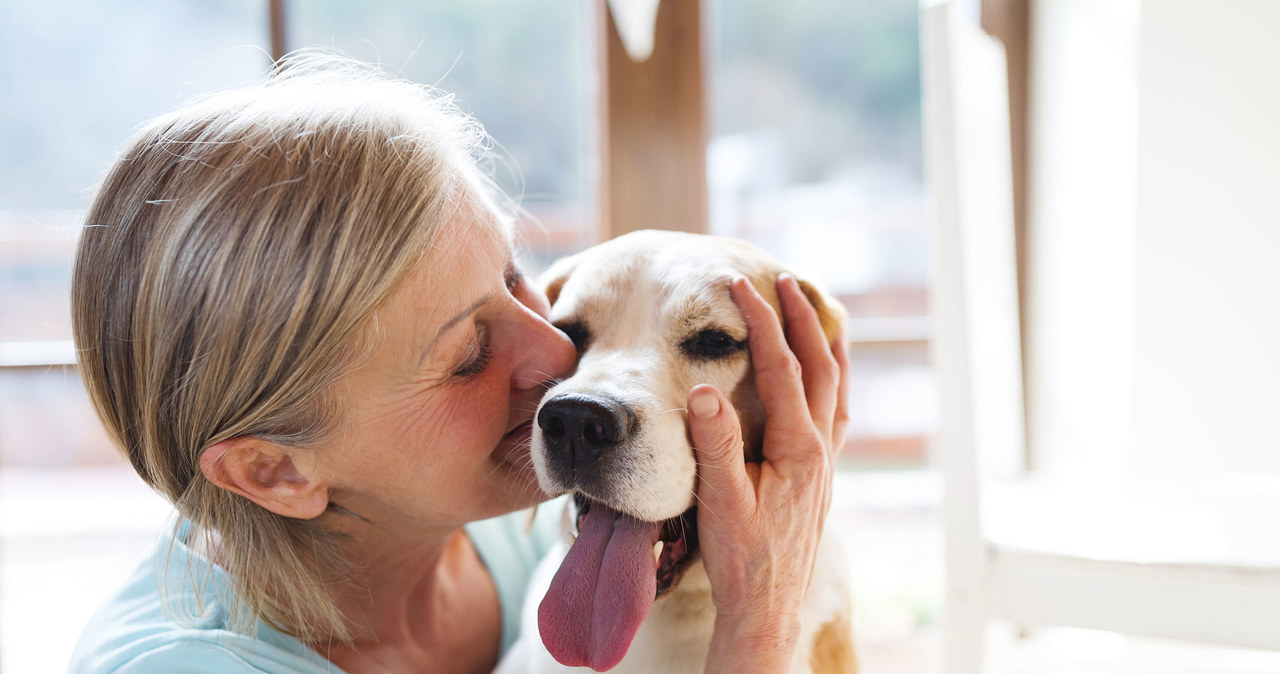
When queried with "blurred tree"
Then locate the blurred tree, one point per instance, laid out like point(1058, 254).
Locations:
point(521, 67)
point(840, 79)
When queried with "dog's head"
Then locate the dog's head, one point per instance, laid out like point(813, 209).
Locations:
point(651, 316)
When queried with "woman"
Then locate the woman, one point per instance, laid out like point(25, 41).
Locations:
point(299, 316)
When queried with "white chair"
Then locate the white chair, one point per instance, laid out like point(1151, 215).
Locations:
point(1197, 560)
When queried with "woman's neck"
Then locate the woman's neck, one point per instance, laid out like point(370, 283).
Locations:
point(425, 602)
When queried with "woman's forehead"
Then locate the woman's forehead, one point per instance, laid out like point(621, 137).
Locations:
point(473, 230)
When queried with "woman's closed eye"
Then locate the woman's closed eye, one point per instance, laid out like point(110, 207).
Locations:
point(480, 356)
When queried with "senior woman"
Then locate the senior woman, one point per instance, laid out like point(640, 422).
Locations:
point(299, 315)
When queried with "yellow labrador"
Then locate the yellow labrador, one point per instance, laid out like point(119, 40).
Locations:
point(651, 315)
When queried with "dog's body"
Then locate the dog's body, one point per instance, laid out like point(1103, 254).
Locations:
point(651, 315)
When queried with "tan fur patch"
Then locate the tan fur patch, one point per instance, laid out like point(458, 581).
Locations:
point(746, 402)
point(553, 289)
point(831, 314)
point(833, 648)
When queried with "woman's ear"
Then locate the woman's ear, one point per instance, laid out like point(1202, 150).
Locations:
point(280, 479)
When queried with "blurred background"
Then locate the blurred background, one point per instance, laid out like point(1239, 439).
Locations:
point(813, 135)
point(1139, 251)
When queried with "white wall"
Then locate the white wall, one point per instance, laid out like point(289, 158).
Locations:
point(1154, 314)
point(1207, 294)
point(1083, 145)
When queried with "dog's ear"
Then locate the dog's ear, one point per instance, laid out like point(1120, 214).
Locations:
point(553, 288)
point(554, 278)
point(831, 314)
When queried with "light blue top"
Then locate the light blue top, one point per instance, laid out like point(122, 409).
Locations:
point(133, 633)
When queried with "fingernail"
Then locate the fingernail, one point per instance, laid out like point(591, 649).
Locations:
point(704, 405)
point(786, 277)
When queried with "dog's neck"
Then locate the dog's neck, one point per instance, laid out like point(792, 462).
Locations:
point(687, 605)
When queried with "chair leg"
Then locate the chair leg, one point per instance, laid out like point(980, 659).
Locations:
point(964, 635)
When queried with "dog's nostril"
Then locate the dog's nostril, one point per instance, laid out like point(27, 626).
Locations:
point(595, 434)
point(551, 425)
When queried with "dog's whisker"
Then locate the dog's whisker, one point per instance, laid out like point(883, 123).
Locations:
point(549, 381)
point(702, 504)
point(701, 466)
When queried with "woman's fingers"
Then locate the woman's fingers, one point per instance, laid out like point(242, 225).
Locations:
point(797, 375)
point(724, 488)
point(759, 524)
point(840, 351)
point(777, 370)
point(819, 368)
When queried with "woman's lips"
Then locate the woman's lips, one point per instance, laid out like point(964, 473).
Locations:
point(521, 433)
point(515, 444)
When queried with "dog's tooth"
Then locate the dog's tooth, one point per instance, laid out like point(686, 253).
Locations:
point(657, 551)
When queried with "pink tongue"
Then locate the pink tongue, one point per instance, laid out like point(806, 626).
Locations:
point(602, 592)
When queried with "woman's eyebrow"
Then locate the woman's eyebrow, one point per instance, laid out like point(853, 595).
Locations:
point(449, 324)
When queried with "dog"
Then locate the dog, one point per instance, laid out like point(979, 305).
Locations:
point(651, 316)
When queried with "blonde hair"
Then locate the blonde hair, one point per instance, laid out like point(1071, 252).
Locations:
point(227, 266)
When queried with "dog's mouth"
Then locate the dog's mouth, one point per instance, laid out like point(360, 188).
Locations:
point(617, 567)
point(676, 548)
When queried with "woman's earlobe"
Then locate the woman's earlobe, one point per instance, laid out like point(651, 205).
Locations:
point(267, 474)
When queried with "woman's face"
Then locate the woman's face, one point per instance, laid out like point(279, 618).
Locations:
point(437, 419)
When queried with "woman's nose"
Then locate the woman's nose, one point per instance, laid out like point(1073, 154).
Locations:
point(546, 353)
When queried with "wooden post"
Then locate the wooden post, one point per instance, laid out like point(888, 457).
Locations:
point(653, 137)
point(276, 26)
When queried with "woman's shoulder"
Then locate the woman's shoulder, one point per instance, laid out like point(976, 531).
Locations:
point(195, 653)
point(171, 615)
point(135, 632)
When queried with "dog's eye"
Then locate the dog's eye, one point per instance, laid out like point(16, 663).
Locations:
point(712, 345)
point(577, 333)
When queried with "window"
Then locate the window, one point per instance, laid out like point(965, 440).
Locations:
point(77, 77)
point(524, 69)
point(82, 88)
point(816, 138)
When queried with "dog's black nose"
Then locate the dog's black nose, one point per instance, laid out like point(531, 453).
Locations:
point(579, 429)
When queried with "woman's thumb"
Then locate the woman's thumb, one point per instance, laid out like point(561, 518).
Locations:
point(717, 445)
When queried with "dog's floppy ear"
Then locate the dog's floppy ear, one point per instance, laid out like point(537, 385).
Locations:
point(553, 288)
point(554, 278)
point(831, 314)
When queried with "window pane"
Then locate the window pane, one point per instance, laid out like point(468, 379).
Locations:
point(77, 77)
point(524, 69)
point(816, 156)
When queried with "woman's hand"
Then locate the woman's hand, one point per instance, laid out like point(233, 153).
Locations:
point(759, 524)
